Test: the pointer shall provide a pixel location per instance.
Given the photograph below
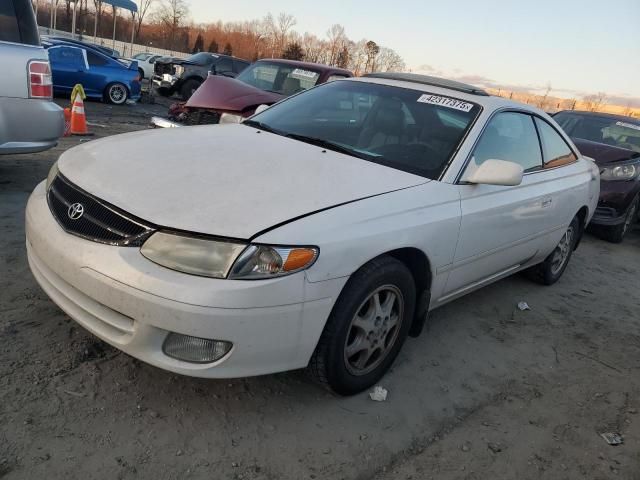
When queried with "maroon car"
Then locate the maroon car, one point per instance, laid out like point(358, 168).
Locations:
point(265, 82)
point(613, 141)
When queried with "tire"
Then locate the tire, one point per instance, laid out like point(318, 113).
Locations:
point(116, 93)
point(141, 73)
point(188, 88)
point(550, 271)
point(616, 234)
point(330, 366)
point(164, 92)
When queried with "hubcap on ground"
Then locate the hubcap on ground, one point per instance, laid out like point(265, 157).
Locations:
point(117, 93)
point(562, 252)
point(373, 330)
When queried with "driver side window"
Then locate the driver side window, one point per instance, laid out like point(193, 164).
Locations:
point(512, 137)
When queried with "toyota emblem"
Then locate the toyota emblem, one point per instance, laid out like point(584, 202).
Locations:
point(75, 211)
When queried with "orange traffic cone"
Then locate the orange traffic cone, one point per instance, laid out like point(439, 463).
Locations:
point(78, 119)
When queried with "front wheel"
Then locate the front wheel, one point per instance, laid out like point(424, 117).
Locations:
point(550, 271)
point(616, 234)
point(116, 93)
point(366, 329)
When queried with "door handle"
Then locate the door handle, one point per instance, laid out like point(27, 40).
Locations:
point(547, 202)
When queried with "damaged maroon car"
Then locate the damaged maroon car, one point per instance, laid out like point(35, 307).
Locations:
point(613, 141)
point(265, 82)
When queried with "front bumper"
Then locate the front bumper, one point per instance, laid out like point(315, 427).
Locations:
point(166, 80)
point(29, 125)
point(132, 303)
point(615, 199)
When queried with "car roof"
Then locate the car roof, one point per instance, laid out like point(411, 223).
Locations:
point(319, 67)
point(429, 80)
point(612, 116)
point(450, 88)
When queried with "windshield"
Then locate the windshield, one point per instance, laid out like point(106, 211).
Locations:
point(401, 128)
point(141, 56)
point(612, 131)
point(278, 78)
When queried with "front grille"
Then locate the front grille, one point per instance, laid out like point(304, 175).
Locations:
point(99, 221)
point(201, 117)
point(161, 68)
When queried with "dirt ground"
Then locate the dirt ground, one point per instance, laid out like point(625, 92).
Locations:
point(488, 391)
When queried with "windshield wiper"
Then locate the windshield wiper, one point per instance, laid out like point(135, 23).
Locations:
point(320, 142)
point(261, 126)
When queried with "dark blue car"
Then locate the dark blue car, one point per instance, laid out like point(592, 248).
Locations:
point(101, 76)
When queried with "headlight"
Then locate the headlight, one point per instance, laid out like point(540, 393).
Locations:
point(194, 255)
point(230, 118)
point(626, 171)
point(225, 259)
point(53, 173)
point(262, 261)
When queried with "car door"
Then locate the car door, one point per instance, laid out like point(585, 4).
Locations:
point(68, 67)
point(98, 74)
point(501, 226)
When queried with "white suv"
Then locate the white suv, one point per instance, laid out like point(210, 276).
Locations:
point(318, 234)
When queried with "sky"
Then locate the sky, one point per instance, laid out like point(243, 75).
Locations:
point(578, 47)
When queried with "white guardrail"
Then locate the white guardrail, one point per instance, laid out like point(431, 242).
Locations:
point(125, 49)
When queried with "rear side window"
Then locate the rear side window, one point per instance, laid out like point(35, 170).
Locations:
point(17, 22)
point(94, 59)
point(512, 137)
point(555, 150)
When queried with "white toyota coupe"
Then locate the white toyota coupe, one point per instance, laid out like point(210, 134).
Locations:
point(317, 234)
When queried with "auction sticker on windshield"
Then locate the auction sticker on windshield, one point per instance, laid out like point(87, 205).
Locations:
point(298, 72)
point(445, 102)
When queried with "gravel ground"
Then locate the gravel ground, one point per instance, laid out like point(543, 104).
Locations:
point(488, 391)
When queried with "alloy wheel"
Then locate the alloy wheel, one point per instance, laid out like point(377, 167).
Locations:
point(373, 330)
point(117, 93)
point(562, 252)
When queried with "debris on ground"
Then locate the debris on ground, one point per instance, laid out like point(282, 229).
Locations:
point(613, 438)
point(523, 306)
point(378, 394)
point(494, 447)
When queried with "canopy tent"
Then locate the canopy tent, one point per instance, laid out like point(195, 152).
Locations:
point(126, 4)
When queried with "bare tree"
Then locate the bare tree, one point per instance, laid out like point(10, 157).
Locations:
point(372, 50)
point(143, 8)
point(543, 99)
point(337, 39)
point(594, 102)
point(389, 60)
point(172, 16)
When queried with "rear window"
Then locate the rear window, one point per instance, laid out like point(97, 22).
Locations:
point(17, 22)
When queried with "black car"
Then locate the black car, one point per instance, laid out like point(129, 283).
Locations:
point(613, 141)
point(186, 75)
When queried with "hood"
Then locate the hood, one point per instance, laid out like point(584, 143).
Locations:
point(224, 93)
point(226, 180)
point(172, 60)
point(603, 153)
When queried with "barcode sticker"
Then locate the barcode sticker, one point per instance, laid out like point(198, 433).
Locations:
point(445, 102)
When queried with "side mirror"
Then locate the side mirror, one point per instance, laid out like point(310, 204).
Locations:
point(495, 172)
point(261, 108)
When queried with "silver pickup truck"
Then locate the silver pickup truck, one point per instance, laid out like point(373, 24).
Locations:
point(29, 120)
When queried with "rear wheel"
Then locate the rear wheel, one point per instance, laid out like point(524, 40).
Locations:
point(366, 329)
point(188, 88)
point(616, 234)
point(116, 93)
point(550, 271)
